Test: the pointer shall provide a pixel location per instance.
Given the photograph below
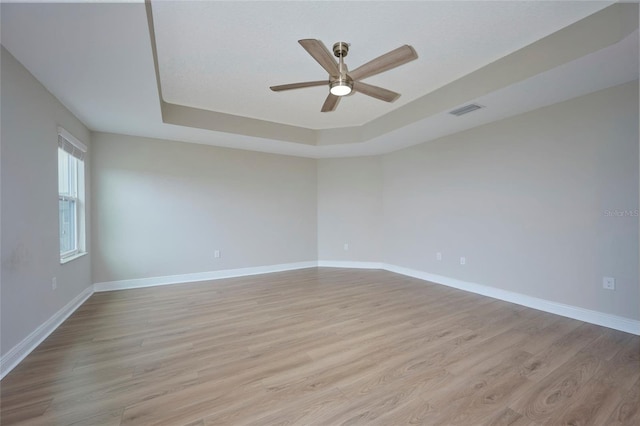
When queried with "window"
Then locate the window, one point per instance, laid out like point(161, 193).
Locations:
point(71, 153)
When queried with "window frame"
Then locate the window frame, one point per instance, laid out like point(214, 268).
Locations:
point(73, 197)
point(75, 149)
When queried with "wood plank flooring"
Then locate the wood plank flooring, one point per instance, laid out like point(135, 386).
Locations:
point(322, 347)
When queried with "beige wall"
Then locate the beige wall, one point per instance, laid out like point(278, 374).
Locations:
point(525, 201)
point(350, 209)
point(29, 218)
point(163, 208)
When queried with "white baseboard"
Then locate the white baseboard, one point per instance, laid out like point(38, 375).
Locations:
point(200, 276)
point(12, 358)
point(16, 354)
point(594, 317)
point(349, 264)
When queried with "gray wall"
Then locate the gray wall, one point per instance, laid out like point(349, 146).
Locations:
point(350, 209)
point(525, 201)
point(162, 208)
point(29, 218)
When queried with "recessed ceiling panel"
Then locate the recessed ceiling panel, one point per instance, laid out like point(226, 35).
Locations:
point(223, 56)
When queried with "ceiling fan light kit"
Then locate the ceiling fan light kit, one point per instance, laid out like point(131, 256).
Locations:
point(341, 86)
point(343, 82)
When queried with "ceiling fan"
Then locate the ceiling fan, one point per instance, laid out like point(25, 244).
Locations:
point(343, 82)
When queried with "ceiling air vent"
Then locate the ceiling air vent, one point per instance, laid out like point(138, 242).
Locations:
point(465, 109)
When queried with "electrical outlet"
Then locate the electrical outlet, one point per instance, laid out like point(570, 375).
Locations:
point(463, 260)
point(438, 256)
point(216, 254)
point(608, 283)
point(54, 283)
point(346, 246)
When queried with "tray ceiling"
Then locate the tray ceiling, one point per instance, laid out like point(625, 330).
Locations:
point(208, 79)
point(223, 56)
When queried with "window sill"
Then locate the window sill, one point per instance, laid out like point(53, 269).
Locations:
point(74, 257)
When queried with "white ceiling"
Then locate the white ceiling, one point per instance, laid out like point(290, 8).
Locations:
point(222, 57)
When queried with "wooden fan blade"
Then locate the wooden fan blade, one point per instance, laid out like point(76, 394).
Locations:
point(375, 91)
point(321, 54)
point(330, 103)
point(299, 85)
point(388, 61)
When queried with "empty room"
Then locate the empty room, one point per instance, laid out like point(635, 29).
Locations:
point(319, 213)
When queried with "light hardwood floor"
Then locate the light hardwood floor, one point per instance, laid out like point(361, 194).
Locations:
point(322, 347)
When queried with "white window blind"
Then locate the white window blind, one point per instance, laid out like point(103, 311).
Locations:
point(71, 145)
